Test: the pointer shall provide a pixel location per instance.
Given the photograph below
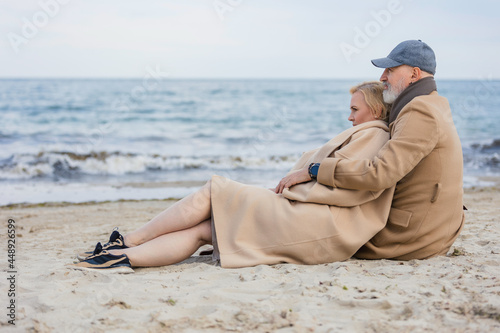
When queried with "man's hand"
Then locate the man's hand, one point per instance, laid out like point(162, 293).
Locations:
point(297, 177)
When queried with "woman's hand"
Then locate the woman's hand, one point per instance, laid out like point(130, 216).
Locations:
point(297, 177)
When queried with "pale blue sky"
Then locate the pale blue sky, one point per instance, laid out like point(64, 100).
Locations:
point(242, 38)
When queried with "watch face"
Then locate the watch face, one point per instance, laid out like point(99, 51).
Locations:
point(314, 169)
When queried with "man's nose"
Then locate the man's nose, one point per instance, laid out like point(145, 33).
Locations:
point(383, 77)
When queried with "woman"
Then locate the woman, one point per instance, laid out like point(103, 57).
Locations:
point(301, 221)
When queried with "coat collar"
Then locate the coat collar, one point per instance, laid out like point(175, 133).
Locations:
point(339, 140)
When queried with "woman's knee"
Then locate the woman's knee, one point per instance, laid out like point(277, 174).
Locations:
point(208, 185)
point(205, 190)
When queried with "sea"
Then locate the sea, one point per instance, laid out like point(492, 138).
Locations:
point(91, 140)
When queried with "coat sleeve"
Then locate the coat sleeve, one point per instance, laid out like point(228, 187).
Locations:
point(415, 135)
point(363, 144)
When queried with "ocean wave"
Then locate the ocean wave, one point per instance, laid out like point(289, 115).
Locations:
point(6, 136)
point(67, 165)
point(483, 162)
point(65, 107)
point(488, 147)
point(483, 156)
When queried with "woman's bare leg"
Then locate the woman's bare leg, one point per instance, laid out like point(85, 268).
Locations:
point(184, 214)
point(170, 248)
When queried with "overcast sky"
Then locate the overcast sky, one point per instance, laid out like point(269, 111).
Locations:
point(242, 38)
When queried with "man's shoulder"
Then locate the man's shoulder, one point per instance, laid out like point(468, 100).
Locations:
point(426, 104)
point(432, 99)
point(427, 109)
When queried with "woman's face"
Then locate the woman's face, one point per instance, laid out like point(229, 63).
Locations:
point(360, 111)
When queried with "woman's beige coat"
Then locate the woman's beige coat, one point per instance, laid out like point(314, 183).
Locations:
point(309, 223)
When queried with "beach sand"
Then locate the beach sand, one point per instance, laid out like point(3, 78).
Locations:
point(455, 293)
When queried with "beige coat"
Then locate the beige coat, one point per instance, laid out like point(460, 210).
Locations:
point(424, 160)
point(255, 226)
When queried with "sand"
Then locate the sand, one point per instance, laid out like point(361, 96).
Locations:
point(455, 293)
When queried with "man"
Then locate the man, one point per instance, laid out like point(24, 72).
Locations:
point(423, 158)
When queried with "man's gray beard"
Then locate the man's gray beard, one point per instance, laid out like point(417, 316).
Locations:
point(389, 96)
point(393, 91)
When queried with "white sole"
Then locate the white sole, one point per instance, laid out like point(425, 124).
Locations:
point(114, 270)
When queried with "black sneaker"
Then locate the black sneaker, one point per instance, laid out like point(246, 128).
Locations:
point(105, 261)
point(115, 243)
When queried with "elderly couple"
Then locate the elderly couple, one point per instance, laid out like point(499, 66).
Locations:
point(389, 187)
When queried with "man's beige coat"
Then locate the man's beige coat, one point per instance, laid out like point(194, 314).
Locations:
point(257, 226)
point(424, 159)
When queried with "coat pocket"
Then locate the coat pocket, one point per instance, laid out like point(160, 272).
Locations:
point(437, 190)
point(396, 231)
point(400, 217)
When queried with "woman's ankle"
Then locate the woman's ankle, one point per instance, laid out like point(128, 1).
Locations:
point(129, 241)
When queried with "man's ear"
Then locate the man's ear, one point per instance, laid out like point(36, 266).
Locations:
point(416, 74)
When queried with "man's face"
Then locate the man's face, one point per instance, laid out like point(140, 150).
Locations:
point(395, 79)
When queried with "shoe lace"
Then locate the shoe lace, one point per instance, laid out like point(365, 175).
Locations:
point(114, 239)
point(117, 241)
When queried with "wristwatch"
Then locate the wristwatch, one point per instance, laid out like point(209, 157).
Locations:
point(313, 170)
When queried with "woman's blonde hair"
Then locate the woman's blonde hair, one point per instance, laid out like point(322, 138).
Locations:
point(373, 93)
